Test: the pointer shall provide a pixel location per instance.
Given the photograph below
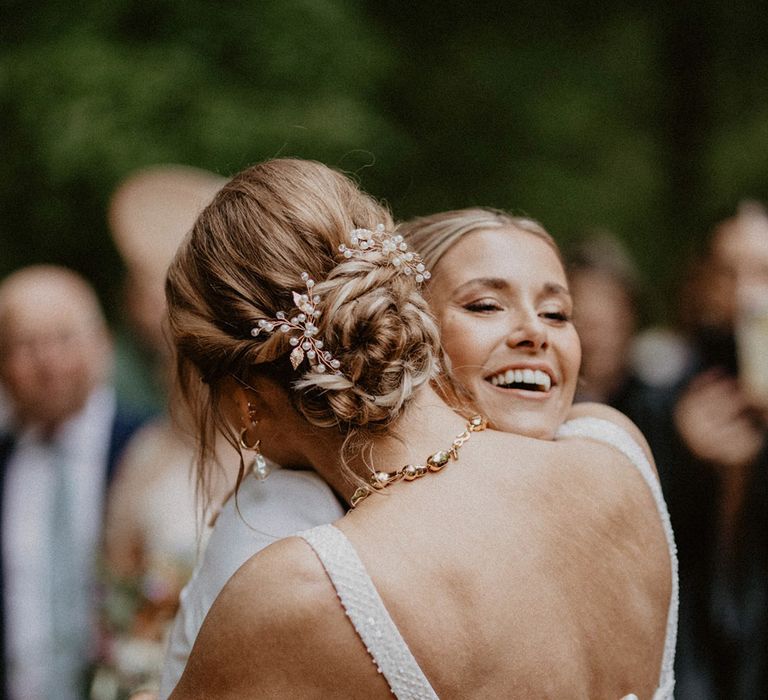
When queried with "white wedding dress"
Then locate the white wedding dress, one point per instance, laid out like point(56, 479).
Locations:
point(373, 624)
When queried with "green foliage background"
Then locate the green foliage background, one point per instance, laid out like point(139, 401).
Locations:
point(649, 119)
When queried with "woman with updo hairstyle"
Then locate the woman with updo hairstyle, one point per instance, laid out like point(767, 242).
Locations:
point(473, 563)
point(224, 278)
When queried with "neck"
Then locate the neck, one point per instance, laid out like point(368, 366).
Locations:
point(426, 426)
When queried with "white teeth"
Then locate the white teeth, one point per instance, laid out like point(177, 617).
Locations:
point(523, 376)
point(543, 380)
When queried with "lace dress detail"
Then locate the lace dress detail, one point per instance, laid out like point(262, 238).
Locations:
point(366, 610)
point(611, 434)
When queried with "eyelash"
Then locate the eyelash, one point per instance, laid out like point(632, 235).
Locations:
point(557, 316)
point(480, 306)
point(485, 307)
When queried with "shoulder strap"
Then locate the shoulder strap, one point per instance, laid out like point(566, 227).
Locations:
point(366, 610)
point(611, 434)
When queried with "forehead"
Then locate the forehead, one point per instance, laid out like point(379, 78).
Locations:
point(508, 254)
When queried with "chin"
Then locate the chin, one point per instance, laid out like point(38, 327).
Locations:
point(539, 427)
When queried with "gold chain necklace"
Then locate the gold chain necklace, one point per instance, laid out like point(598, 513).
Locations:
point(435, 463)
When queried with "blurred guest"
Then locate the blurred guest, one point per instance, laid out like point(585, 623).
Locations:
point(606, 291)
point(149, 213)
point(717, 479)
point(151, 542)
point(66, 432)
point(604, 287)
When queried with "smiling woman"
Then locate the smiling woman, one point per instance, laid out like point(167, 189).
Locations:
point(500, 295)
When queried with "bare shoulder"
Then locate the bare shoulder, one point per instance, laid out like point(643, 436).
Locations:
point(604, 412)
point(274, 631)
point(255, 605)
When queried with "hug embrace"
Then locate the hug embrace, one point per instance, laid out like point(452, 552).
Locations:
point(482, 537)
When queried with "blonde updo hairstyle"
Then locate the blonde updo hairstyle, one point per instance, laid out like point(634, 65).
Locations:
point(242, 262)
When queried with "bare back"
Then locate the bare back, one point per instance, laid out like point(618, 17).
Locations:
point(561, 588)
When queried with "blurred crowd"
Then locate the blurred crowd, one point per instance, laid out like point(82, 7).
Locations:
point(699, 393)
point(100, 529)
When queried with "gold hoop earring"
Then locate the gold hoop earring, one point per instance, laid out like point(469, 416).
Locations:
point(259, 466)
point(244, 445)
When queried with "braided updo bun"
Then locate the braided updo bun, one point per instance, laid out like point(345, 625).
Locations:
point(242, 263)
point(385, 340)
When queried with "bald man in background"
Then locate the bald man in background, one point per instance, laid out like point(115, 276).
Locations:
point(56, 459)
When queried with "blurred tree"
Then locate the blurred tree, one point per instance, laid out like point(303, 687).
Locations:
point(647, 119)
point(641, 118)
point(90, 92)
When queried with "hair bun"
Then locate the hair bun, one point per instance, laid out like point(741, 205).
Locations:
point(380, 329)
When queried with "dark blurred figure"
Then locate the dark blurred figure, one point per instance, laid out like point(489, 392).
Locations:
point(604, 286)
point(619, 367)
point(64, 436)
point(716, 476)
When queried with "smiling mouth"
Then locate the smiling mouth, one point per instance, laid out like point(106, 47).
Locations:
point(526, 379)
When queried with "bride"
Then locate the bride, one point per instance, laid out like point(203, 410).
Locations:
point(481, 563)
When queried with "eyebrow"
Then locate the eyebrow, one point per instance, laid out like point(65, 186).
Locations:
point(557, 289)
point(550, 288)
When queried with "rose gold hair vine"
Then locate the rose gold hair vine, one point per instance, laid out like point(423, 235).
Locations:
point(303, 331)
point(302, 327)
point(393, 246)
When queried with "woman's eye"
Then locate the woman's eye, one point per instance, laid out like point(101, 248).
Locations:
point(560, 316)
point(482, 306)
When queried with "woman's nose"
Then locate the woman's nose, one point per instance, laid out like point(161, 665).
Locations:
point(528, 331)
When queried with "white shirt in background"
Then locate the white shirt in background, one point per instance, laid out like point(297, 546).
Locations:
point(28, 504)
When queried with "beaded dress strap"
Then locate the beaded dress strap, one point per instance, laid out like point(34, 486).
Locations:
point(610, 433)
point(365, 608)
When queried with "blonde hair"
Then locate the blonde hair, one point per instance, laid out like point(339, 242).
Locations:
point(434, 235)
point(242, 262)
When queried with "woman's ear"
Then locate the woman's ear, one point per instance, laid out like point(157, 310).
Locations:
point(247, 406)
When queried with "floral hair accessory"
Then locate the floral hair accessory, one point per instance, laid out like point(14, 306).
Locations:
point(303, 331)
point(393, 246)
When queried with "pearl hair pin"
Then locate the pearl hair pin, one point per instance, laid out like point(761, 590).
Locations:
point(303, 331)
point(392, 245)
point(301, 327)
